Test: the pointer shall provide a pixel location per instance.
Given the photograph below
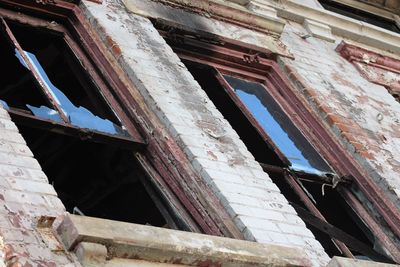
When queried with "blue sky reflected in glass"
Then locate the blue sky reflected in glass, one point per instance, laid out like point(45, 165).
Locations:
point(78, 116)
point(268, 114)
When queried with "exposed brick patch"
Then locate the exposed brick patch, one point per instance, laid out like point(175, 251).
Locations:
point(349, 130)
point(362, 114)
point(376, 68)
point(198, 127)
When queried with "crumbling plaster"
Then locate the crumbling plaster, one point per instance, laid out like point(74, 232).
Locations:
point(344, 98)
point(368, 106)
point(362, 114)
point(254, 202)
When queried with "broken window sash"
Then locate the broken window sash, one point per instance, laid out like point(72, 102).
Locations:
point(78, 116)
point(302, 175)
point(279, 127)
point(304, 198)
point(60, 107)
point(22, 118)
point(25, 62)
point(17, 85)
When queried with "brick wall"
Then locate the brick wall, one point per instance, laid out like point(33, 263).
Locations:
point(26, 198)
point(365, 116)
point(216, 152)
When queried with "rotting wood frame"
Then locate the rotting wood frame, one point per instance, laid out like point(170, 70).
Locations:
point(190, 201)
point(248, 63)
point(134, 141)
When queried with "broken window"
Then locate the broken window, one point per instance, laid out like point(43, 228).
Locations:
point(283, 134)
point(67, 121)
point(361, 15)
point(249, 94)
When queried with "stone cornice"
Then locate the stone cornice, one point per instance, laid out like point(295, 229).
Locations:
point(230, 12)
point(203, 18)
point(342, 26)
point(379, 11)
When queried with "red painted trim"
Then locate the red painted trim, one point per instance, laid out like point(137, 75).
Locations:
point(203, 210)
point(357, 55)
point(354, 53)
point(267, 71)
point(230, 91)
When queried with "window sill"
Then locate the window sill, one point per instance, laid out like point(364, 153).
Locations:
point(98, 238)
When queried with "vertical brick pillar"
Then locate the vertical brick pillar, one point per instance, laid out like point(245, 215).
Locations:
point(25, 197)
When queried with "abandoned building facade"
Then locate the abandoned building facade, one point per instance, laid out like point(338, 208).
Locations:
point(200, 133)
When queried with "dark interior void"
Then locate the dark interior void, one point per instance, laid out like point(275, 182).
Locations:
point(63, 69)
point(255, 143)
point(360, 15)
point(98, 179)
point(17, 86)
point(335, 210)
point(331, 205)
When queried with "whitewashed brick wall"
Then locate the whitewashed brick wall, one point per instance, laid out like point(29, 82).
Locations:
point(252, 199)
point(25, 196)
point(364, 115)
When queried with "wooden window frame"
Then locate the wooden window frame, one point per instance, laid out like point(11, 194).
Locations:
point(135, 141)
point(169, 170)
point(254, 65)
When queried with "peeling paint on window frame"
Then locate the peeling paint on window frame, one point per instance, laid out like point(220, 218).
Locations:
point(176, 182)
point(248, 63)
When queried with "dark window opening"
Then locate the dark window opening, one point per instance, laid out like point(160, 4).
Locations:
point(338, 213)
point(96, 179)
point(360, 15)
point(333, 208)
point(314, 181)
point(72, 129)
point(16, 81)
point(71, 95)
point(255, 143)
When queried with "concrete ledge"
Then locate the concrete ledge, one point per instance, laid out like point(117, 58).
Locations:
point(319, 30)
point(139, 242)
point(340, 25)
point(346, 262)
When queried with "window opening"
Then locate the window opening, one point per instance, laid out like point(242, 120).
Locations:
point(39, 50)
point(360, 15)
point(74, 134)
point(96, 179)
point(277, 125)
point(308, 187)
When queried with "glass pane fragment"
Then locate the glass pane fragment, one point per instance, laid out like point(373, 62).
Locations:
point(65, 79)
point(287, 138)
point(78, 116)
